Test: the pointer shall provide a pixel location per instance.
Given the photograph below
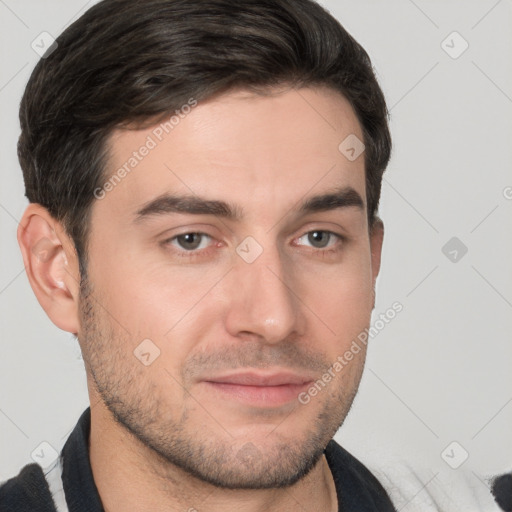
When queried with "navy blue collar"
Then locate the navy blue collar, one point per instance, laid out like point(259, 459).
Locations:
point(79, 487)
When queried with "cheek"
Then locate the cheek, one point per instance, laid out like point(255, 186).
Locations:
point(172, 307)
point(341, 296)
point(141, 286)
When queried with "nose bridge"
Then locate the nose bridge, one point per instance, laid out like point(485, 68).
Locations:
point(263, 302)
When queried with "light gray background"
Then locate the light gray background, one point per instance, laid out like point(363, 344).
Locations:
point(441, 370)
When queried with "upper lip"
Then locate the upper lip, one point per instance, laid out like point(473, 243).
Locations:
point(252, 378)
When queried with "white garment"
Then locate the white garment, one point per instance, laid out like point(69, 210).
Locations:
point(54, 478)
point(439, 490)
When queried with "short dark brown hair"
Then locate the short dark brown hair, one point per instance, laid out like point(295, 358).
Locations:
point(127, 62)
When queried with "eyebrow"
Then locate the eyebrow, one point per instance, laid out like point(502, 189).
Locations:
point(191, 204)
point(339, 198)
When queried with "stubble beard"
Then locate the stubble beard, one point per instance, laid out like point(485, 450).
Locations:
point(207, 452)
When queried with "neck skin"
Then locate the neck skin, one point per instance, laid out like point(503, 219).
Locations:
point(130, 477)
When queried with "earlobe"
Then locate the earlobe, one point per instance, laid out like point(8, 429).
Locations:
point(51, 266)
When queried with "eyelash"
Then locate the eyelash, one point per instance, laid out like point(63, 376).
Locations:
point(197, 253)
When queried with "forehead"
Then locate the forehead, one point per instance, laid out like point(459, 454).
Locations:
point(244, 146)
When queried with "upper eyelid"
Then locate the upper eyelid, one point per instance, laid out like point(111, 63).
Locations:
point(203, 233)
point(312, 225)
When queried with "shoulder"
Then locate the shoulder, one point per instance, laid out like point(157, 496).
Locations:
point(358, 489)
point(436, 488)
point(26, 492)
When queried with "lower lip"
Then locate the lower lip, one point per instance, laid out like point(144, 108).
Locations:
point(260, 396)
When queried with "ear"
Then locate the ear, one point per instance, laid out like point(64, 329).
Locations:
point(51, 264)
point(376, 239)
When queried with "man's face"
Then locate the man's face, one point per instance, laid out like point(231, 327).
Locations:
point(244, 312)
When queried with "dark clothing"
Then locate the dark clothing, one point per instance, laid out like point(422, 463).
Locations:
point(357, 489)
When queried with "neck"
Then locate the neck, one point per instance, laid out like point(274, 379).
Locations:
point(132, 477)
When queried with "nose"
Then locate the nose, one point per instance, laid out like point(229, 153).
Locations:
point(262, 301)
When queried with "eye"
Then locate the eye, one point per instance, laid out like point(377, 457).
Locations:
point(319, 239)
point(191, 241)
